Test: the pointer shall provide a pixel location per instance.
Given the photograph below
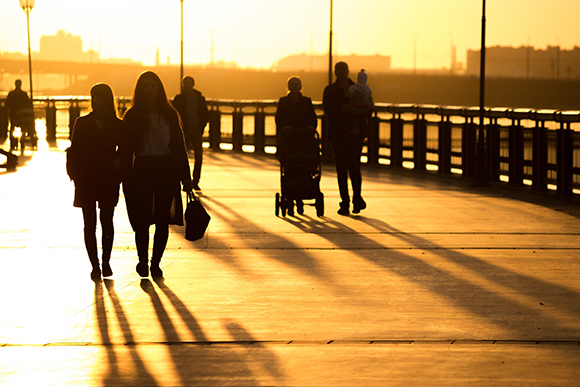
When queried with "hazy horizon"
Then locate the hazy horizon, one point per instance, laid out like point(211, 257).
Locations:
point(256, 33)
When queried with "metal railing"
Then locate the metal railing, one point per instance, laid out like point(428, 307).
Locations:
point(539, 148)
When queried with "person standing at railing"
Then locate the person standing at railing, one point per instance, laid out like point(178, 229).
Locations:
point(192, 108)
point(160, 164)
point(294, 111)
point(346, 143)
point(96, 164)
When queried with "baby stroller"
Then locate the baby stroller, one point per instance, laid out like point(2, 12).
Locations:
point(299, 155)
point(23, 130)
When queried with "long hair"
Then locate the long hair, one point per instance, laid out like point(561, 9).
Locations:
point(139, 102)
point(136, 115)
point(104, 92)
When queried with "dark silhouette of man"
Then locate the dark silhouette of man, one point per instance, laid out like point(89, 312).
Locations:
point(346, 141)
point(192, 108)
point(19, 110)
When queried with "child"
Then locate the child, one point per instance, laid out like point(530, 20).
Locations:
point(362, 100)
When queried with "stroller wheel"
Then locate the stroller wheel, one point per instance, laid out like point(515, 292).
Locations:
point(277, 203)
point(320, 205)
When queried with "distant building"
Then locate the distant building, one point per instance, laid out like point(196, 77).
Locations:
point(526, 62)
point(319, 63)
point(65, 47)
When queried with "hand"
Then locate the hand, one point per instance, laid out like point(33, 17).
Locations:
point(188, 185)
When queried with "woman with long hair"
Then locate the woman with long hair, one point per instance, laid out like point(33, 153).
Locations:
point(94, 164)
point(159, 164)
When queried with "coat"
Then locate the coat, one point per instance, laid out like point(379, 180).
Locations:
point(94, 161)
point(333, 100)
point(180, 104)
point(177, 170)
point(298, 114)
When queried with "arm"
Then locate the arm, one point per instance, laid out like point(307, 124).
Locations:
point(312, 120)
point(203, 112)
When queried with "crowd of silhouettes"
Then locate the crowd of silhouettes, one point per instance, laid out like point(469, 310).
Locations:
point(146, 152)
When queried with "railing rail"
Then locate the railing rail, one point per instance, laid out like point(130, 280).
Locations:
point(539, 148)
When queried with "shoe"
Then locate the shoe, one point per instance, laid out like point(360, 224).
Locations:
point(96, 273)
point(196, 187)
point(343, 210)
point(107, 271)
point(300, 207)
point(358, 205)
point(156, 271)
point(142, 269)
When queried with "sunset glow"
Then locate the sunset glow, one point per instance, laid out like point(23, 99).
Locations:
point(256, 33)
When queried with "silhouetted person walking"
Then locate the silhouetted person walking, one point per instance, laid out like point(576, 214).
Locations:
point(347, 144)
point(192, 108)
point(160, 164)
point(96, 164)
point(294, 111)
point(21, 113)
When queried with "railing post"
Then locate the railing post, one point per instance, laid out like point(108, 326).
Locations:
point(493, 150)
point(444, 145)
point(564, 160)
point(215, 121)
point(50, 120)
point(373, 140)
point(540, 161)
point(259, 131)
point(237, 129)
point(420, 143)
point(3, 120)
point(516, 154)
point(396, 142)
point(468, 136)
point(74, 112)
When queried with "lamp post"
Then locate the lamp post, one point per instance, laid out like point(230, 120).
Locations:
point(181, 68)
point(27, 6)
point(415, 54)
point(330, 47)
point(481, 172)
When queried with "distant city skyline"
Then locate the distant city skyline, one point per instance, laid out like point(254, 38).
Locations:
point(257, 33)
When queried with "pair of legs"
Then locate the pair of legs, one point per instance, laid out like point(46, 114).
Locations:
point(347, 155)
point(196, 140)
point(159, 243)
point(149, 198)
point(90, 234)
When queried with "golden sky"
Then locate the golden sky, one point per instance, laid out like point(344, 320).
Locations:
point(255, 33)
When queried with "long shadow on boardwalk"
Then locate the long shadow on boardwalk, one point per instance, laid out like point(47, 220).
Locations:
point(458, 290)
point(115, 375)
point(454, 288)
point(189, 360)
point(301, 260)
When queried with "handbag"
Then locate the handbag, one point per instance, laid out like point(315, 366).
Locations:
point(196, 218)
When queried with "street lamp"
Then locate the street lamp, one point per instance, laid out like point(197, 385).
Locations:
point(415, 54)
point(481, 172)
point(27, 6)
point(181, 78)
point(330, 47)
